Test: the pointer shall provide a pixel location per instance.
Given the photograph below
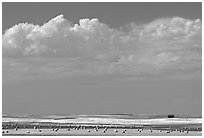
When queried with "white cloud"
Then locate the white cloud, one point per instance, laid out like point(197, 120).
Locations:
point(164, 44)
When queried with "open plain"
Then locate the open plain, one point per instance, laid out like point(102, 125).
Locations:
point(101, 125)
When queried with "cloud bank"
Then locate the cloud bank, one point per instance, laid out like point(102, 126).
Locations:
point(167, 45)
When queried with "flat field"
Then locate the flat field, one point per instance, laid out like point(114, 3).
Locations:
point(101, 125)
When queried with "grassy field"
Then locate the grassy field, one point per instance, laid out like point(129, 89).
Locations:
point(80, 125)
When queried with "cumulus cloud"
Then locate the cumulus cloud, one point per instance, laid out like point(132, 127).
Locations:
point(166, 44)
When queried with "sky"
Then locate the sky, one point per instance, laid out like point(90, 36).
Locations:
point(101, 58)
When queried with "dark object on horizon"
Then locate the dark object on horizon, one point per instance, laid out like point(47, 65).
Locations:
point(171, 116)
